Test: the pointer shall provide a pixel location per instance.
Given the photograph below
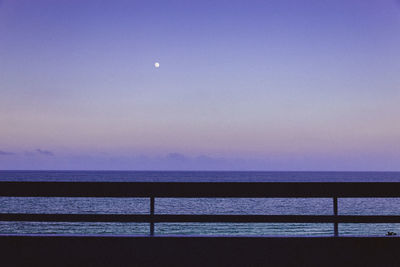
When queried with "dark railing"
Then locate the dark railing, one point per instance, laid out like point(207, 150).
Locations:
point(154, 190)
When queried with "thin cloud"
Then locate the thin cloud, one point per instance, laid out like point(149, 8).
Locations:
point(176, 157)
point(44, 152)
point(6, 153)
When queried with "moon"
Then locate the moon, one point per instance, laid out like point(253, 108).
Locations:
point(157, 65)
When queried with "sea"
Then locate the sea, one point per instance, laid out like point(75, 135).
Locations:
point(270, 206)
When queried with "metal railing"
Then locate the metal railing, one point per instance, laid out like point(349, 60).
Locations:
point(153, 190)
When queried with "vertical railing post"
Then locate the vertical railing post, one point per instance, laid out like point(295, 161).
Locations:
point(151, 215)
point(335, 213)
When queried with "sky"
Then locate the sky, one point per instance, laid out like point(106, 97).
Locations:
point(242, 85)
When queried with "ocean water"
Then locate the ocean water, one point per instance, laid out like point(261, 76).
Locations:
point(275, 206)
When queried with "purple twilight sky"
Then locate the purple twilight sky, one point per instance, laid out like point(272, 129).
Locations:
point(242, 85)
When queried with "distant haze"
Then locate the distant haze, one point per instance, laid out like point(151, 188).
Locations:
point(242, 85)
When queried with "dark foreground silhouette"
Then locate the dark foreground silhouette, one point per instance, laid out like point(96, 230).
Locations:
point(198, 251)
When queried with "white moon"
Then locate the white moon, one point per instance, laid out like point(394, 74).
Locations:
point(157, 65)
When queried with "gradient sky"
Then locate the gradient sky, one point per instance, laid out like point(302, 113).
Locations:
point(242, 85)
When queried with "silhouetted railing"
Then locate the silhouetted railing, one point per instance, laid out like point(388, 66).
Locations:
point(154, 190)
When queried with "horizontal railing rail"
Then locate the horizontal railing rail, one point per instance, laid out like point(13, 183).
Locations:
point(153, 190)
point(200, 189)
point(200, 218)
